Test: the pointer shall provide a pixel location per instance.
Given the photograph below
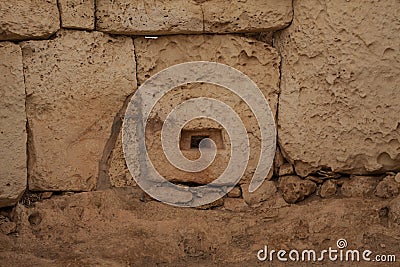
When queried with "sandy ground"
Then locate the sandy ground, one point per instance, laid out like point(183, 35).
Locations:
point(122, 227)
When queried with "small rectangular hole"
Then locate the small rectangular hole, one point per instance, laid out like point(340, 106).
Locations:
point(196, 139)
point(190, 139)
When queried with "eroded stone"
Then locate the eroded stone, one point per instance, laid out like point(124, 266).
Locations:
point(256, 59)
point(328, 189)
point(246, 16)
point(77, 14)
point(160, 17)
point(359, 186)
point(21, 20)
point(387, 188)
point(334, 84)
point(76, 84)
point(295, 189)
point(13, 136)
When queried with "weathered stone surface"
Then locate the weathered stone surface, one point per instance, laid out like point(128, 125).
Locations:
point(246, 16)
point(387, 188)
point(394, 211)
point(397, 177)
point(76, 84)
point(162, 17)
point(328, 189)
point(6, 226)
point(265, 192)
point(12, 125)
point(32, 19)
point(340, 74)
point(149, 17)
point(77, 14)
point(257, 60)
point(286, 169)
point(295, 189)
point(235, 192)
point(359, 186)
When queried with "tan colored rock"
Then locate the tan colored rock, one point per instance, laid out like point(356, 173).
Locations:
point(148, 17)
point(12, 125)
point(387, 188)
point(328, 189)
point(265, 192)
point(340, 75)
point(246, 16)
point(359, 186)
point(118, 172)
point(235, 192)
point(76, 84)
point(193, 16)
point(394, 211)
point(286, 169)
point(256, 59)
point(295, 189)
point(32, 19)
point(77, 14)
point(397, 177)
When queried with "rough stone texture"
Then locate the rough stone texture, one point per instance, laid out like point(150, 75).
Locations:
point(160, 17)
point(397, 177)
point(257, 60)
point(76, 84)
point(148, 17)
point(32, 19)
point(12, 125)
point(77, 14)
point(246, 16)
point(118, 172)
point(115, 228)
point(340, 74)
point(359, 186)
point(235, 192)
point(394, 211)
point(265, 192)
point(295, 189)
point(286, 169)
point(328, 189)
point(387, 188)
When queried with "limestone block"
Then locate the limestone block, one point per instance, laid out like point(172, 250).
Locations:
point(160, 17)
point(77, 14)
point(256, 59)
point(12, 125)
point(76, 84)
point(148, 17)
point(339, 106)
point(28, 19)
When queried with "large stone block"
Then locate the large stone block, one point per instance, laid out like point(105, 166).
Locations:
point(12, 125)
point(160, 17)
point(148, 17)
point(246, 16)
point(339, 106)
point(77, 14)
point(76, 84)
point(32, 19)
point(256, 59)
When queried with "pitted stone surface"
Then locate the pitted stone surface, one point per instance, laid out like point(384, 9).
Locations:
point(76, 84)
point(160, 17)
point(32, 19)
point(12, 125)
point(77, 14)
point(339, 106)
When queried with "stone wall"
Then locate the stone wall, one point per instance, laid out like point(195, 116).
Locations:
point(330, 71)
